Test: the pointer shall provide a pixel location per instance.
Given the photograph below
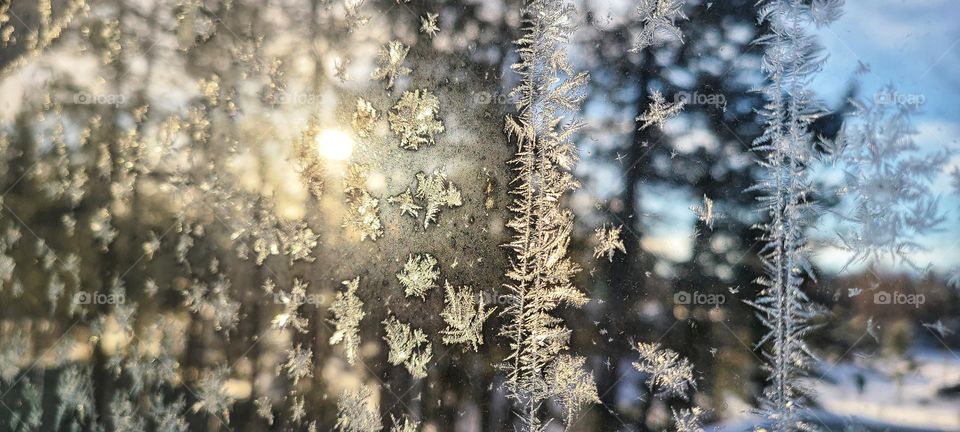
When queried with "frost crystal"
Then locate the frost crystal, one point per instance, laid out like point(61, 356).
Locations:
point(125, 417)
point(297, 409)
point(406, 203)
point(419, 274)
point(437, 192)
point(669, 373)
point(890, 180)
point(428, 24)
point(211, 395)
point(407, 425)
point(540, 270)
point(705, 213)
point(659, 111)
point(408, 347)
point(364, 118)
point(608, 242)
point(169, 416)
point(75, 391)
point(101, 228)
point(390, 63)
point(791, 57)
point(571, 386)
point(151, 246)
point(299, 364)
point(415, 119)
point(363, 212)
point(347, 312)
point(464, 314)
point(307, 162)
point(291, 302)
point(659, 22)
point(264, 409)
point(688, 420)
point(357, 411)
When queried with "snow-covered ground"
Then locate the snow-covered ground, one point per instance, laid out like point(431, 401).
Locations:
point(897, 395)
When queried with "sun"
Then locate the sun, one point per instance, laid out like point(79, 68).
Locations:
point(334, 144)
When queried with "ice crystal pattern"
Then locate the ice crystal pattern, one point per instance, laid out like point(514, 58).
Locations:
point(705, 212)
point(889, 179)
point(299, 364)
point(464, 313)
point(436, 191)
point(659, 111)
point(688, 420)
point(608, 242)
point(415, 119)
point(358, 412)
point(347, 312)
point(364, 118)
point(363, 210)
point(791, 56)
point(406, 425)
point(408, 347)
point(291, 303)
point(406, 202)
point(390, 63)
point(667, 372)
point(659, 22)
point(420, 274)
point(572, 386)
point(428, 24)
point(540, 271)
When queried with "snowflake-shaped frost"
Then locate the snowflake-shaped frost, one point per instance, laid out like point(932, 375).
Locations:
point(364, 118)
point(357, 411)
point(390, 63)
point(659, 111)
point(669, 373)
point(428, 24)
point(464, 314)
point(419, 274)
point(299, 364)
point(347, 312)
point(608, 242)
point(437, 192)
point(408, 347)
point(415, 119)
point(571, 386)
point(406, 203)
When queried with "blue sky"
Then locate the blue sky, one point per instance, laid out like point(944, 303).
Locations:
point(915, 45)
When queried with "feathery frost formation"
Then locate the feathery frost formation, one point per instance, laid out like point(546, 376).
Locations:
point(419, 274)
point(464, 313)
point(888, 178)
point(790, 59)
point(408, 347)
point(347, 311)
point(667, 372)
point(540, 270)
point(357, 411)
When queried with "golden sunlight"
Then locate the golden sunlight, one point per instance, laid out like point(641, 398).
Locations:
point(334, 144)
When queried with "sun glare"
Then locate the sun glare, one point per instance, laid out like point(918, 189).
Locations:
point(334, 144)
